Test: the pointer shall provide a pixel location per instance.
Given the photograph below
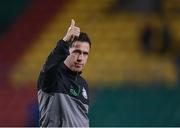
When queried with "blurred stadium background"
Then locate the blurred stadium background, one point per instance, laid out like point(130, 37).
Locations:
point(133, 69)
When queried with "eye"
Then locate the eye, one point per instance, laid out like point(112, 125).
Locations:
point(76, 52)
point(85, 53)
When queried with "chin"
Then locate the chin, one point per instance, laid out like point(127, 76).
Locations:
point(78, 70)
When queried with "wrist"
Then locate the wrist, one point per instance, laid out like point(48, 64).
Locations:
point(65, 39)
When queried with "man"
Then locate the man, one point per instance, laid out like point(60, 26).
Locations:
point(62, 93)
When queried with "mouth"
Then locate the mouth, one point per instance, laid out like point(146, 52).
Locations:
point(78, 65)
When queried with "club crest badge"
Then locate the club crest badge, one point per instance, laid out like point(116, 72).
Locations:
point(84, 93)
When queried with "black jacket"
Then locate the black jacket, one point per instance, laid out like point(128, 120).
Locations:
point(62, 94)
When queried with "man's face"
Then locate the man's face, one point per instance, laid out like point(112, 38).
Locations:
point(78, 56)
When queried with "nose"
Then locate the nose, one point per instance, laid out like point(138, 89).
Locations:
point(80, 57)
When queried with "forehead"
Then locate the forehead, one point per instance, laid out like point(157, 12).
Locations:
point(84, 46)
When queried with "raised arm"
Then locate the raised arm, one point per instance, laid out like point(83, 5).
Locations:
point(48, 73)
point(61, 51)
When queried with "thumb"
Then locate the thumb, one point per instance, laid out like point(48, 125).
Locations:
point(72, 22)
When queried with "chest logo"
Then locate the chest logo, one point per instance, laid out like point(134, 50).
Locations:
point(75, 92)
point(84, 93)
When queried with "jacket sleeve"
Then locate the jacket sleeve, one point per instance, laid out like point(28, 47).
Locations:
point(47, 77)
point(59, 54)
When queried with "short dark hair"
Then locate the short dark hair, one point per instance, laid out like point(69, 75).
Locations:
point(83, 37)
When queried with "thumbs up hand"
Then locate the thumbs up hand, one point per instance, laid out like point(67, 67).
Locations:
point(73, 31)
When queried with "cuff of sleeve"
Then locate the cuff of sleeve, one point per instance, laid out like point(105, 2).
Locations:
point(62, 42)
